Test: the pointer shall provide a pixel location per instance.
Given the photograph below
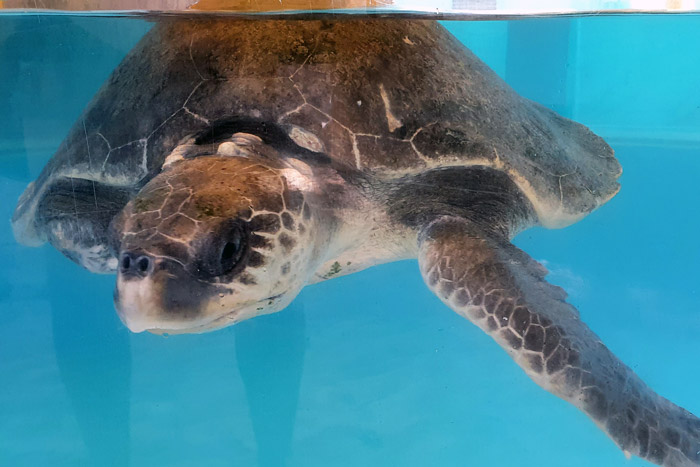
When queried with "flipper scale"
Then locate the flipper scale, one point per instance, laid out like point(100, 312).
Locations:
point(502, 290)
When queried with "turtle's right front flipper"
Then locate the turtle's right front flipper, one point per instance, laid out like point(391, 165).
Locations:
point(486, 279)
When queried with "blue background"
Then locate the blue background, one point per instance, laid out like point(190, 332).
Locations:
point(369, 369)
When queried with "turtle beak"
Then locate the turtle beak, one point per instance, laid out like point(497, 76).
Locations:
point(156, 294)
point(132, 302)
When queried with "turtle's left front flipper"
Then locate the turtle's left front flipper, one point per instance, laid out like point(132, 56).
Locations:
point(497, 286)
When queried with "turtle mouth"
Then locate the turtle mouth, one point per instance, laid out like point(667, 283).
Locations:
point(212, 324)
point(149, 315)
point(137, 323)
point(158, 294)
point(272, 298)
point(217, 322)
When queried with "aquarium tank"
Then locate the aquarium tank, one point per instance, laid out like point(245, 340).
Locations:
point(349, 233)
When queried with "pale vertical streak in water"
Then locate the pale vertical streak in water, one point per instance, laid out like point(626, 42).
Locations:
point(87, 143)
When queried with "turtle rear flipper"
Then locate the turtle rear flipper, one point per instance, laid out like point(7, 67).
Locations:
point(73, 214)
point(503, 291)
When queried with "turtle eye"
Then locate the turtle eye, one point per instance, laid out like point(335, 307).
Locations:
point(231, 253)
point(222, 252)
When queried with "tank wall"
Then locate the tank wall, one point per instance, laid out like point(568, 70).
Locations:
point(368, 369)
point(647, 87)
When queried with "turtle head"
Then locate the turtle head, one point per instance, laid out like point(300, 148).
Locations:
point(211, 241)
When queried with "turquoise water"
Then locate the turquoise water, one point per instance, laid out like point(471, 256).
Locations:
point(369, 369)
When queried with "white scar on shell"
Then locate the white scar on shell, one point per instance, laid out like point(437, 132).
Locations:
point(305, 139)
point(231, 149)
point(245, 139)
point(296, 179)
point(179, 152)
point(238, 145)
point(391, 121)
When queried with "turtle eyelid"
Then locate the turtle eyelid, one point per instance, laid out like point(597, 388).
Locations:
point(231, 254)
point(224, 252)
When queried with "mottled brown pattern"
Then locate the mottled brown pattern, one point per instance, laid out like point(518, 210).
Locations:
point(176, 213)
point(384, 96)
point(503, 291)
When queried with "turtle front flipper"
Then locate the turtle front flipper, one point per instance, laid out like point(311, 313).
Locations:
point(74, 214)
point(497, 286)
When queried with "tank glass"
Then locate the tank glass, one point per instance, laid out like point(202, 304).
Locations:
point(369, 368)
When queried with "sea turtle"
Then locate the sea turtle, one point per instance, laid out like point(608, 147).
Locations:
point(228, 163)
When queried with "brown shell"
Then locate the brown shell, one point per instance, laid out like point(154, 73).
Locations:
point(388, 96)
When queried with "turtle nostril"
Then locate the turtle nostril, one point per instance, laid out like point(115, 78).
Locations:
point(143, 264)
point(140, 266)
point(126, 262)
